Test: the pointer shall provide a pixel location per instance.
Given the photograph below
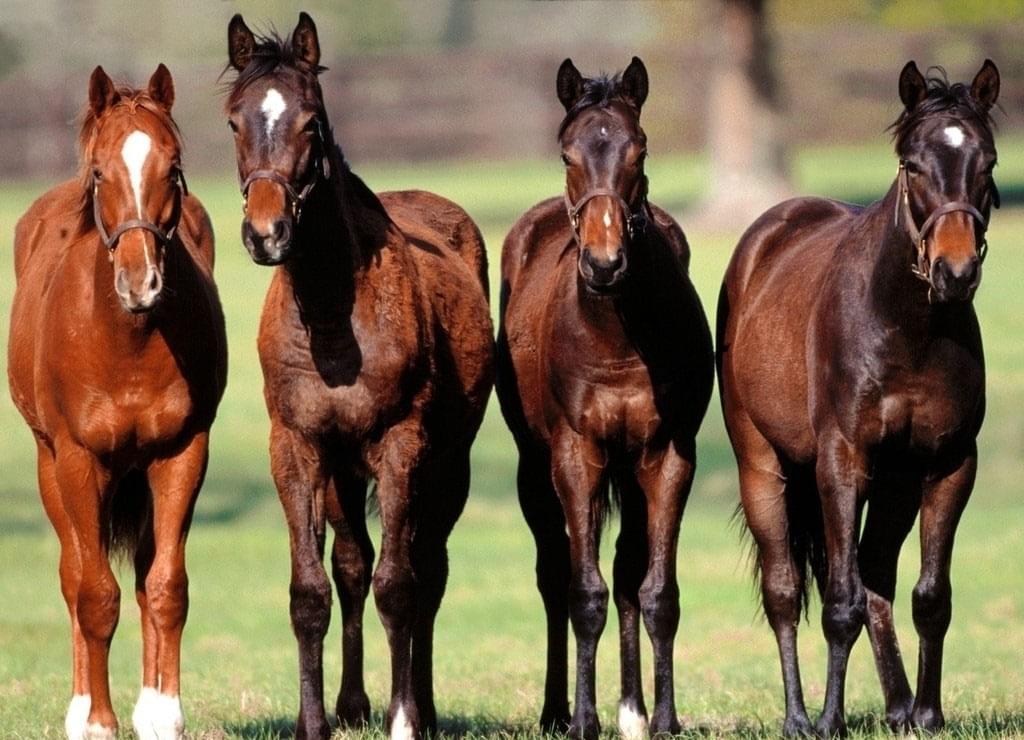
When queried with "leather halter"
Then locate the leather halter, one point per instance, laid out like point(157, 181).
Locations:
point(636, 218)
point(921, 268)
point(164, 237)
point(321, 169)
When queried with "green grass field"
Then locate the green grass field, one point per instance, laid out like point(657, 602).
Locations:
point(239, 659)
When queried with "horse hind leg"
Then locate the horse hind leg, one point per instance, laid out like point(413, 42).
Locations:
point(77, 715)
point(546, 520)
point(890, 516)
point(443, 495)
point(630, 566)
point(351, 562)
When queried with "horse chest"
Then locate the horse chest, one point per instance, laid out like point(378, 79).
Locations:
point(613, 404)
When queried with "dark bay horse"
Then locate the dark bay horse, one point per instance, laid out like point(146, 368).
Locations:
point(117, 361)
point(852, 375)
point(378, 360)
point(605, 369)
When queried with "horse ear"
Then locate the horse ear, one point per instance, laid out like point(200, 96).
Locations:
point(913, 87)
point(985, 88)
point(241, 43)
point(569, 84)
point(634, 83)
point(102, 91)
point(161, 87)
point(305, 41)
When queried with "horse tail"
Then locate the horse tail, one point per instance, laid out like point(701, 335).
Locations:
point(806, 536)
point(129, 513)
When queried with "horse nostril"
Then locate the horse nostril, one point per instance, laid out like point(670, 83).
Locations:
point(615, 262)
point(154, 281)
point(282, 230)
point(121, 282)
point(970, 272)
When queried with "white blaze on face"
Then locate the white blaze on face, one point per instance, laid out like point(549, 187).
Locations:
point(954, 136)
point(607, 219)
point(134, 152)
point(273, 106)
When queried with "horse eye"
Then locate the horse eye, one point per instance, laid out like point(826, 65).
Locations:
point(233, 126)
point(565, 159)
point(311, 126)
point(96, 174)
point(912, 168)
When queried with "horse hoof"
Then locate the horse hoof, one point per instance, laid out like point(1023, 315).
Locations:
point(798, 726)
point(96, 731)
point(403, 727)
point(899, 719)
point(585, 728)
point(928, 719)
point(555, 721)
point(661, 725)
point(831, 727)
point(632, 722)
point(353, 711)
point(313, 731)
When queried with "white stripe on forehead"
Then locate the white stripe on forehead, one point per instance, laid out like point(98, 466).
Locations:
point(273, 106)
point(954, 136)
point(134, 152)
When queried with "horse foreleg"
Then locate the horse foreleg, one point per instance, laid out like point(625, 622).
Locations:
point(351, 563)
point(578, 468)
point(942, 503)
point(890, 516)
point(174, 483)
point(544, 516)
point(70, 577)
point(394, 585)
point(298, 470)
point(628, 572)
point(841, 475)
point(666, 479)
point(83, 483)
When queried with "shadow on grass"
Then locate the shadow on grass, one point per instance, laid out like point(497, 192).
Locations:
point(451, 726)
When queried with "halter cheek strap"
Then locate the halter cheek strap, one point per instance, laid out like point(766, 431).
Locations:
point(636, 219)
point(164, 237)
point(321, 169)
point(921, 268)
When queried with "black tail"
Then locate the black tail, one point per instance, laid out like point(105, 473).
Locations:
point(129, 512)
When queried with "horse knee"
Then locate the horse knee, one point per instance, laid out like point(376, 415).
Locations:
point(394, 592)
point(659, 604)
point(352, 576)
point(843, 616)
point(588, 607)
point(311, 605)
point(782, 601)
point(99, 605)
point(932, 605)
point(167, 596)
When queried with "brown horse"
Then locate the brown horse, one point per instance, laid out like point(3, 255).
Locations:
point(605, 370)
point(117, 360)
point(377, 358)
point(851, 371)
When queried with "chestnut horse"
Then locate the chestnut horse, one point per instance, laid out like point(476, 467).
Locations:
point(605, 371)
point(377, 359)
point(851, 371)
point(117, 360)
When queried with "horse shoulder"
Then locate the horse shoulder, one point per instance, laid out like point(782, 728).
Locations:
point(51, 220)
point(674, 235)
point(534, 236)
point(196, 230)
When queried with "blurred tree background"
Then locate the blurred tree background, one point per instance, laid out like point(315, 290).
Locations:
point(743, 80)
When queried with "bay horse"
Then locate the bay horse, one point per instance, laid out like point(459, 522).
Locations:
point(378, 358)
point(852, 376)
point(605, 370)
point(117, 361)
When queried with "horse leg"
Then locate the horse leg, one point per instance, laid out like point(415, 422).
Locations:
point(841, 474)
point(578, 466)
point(146, 706)
point(544, 516)
point(70, 577)
point(83, 483)
point(352, 562)
point(631, 559)
point(394, 586)
point(888, 521)
point(447, 489)
point(942, 503)
point(174, 483)
point(301, 480)
point(666, 479)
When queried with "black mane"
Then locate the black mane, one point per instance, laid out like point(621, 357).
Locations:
point(599, 91)
point(271, 52)
point(942, 97)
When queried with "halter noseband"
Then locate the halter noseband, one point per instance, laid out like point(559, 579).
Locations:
point(636, 219)
point(321, 169)
point(164, 237)
point(921, 268)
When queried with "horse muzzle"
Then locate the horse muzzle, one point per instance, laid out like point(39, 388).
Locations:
point(954, 282)
point(270, 248)
point(602, 275)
